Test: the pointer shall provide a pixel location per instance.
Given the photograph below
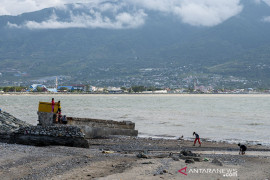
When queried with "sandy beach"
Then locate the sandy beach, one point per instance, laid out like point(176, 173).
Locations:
point(117, 158)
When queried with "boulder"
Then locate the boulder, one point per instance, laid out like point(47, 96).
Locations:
point(142, 155)
point(187, 153)
point(175, 158)
point(197, 159)
point(217, 162)
point(189, 161)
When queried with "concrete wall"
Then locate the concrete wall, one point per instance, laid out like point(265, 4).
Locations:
point(101, 123)
point(97, 132)
point(96, 128)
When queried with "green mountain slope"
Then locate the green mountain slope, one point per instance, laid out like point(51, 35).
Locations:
point(237, 47)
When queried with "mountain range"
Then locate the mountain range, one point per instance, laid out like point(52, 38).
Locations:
point(113, 40)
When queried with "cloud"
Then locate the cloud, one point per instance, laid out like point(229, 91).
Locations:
point(196, 12)
point(95, 20)
point(266, 19)
point(208, 13)
point(267, 2)
point(260, 1)
point(123, 13)
point(16, 7)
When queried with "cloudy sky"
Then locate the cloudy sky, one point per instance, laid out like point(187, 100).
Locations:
point(193, 12)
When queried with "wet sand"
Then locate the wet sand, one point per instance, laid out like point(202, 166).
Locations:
point(116, 158)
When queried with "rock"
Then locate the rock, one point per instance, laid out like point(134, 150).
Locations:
point(165, 171)
point(187, 153)
point(217, 162)
point(142, 155)
point(162, 156)
point(186, 157)
point(197, 159)
point(175, 158)
point(189, 161)
point(147, 162)
point(107, 152)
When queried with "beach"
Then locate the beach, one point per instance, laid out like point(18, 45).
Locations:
point(221, 120)
point(118, 157)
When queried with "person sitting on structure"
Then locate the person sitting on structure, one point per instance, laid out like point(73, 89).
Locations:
point(64, 119)
point(59, 115)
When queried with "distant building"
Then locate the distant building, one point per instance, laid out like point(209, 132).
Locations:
point(99, 89)
point(64, 88)
point(34, 87)
point(54, 90)
point(79, 87)
point(93, 88)
point(72, 88)
point(161, 92)
point(114, 90)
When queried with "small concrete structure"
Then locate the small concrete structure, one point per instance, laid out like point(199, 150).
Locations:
point(91, 128)
point(46, 119)
point(101, 123)
point(95, 128)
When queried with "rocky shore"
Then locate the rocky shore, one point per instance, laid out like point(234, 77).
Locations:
point(13, 130)
point(9, 123)
point(134, 158)
point(119, 157)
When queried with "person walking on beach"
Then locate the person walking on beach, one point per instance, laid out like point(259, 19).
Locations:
point(196, 139)
point(53, 103)
point(243, 149)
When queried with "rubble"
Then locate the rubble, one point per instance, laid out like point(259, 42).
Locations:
point(9, 123)
point(55, 131)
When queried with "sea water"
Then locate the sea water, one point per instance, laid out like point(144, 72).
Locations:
point(231, 118)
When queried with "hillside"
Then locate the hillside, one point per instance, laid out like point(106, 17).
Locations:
point(237, 47)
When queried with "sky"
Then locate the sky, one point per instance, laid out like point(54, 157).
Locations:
point(126, 13)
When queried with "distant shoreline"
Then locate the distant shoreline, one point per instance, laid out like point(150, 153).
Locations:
point(134, 94)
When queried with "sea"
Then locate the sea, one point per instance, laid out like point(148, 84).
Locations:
point(243, 118)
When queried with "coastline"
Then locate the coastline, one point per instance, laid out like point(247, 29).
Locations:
point(140, 94)
point(208, 140)
point(179, 117)
point(116, 158)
